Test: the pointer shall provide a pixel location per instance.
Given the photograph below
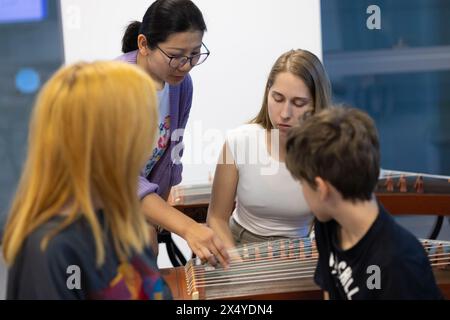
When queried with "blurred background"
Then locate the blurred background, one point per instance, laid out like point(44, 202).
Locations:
point(399, 73)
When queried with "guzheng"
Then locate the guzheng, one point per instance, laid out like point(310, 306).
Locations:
point(281, 269)
point(414, 193)
point(400, 193)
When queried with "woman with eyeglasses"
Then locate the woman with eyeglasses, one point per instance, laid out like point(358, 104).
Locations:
point(167, 44)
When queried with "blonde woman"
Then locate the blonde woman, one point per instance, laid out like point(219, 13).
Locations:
point(75, 230)
point(268, 204)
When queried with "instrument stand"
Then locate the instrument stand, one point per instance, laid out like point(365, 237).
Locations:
point(175, 255)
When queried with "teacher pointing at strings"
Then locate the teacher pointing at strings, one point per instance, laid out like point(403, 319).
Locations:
point(167, 44)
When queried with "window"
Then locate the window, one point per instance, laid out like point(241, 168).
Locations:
point(399, 74)
point(32, 49)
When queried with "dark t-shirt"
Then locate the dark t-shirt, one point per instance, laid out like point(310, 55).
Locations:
point(387, 263)
point(67, 268)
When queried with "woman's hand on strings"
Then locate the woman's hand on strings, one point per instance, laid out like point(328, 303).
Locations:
point(235, 257)
point(206, 245)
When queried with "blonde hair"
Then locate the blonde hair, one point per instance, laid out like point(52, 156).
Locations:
point(307, 67)
point(91, 131)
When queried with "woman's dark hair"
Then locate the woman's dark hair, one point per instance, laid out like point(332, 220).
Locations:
point(162, 19)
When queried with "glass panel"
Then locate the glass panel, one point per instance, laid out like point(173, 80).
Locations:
point(412, 112)
point(404, 23)
point(405, 91)
point(32, 50)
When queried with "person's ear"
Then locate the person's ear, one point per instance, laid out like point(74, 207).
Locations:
point(142, 45)
point(322, 188)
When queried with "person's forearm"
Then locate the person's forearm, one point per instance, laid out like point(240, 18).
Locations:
point(159, 212)
point(200, 238)
point(222, 229)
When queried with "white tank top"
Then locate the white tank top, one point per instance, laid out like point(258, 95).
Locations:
point(269, 202)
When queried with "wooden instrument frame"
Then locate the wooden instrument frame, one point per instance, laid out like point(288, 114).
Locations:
point(176, 280)
point(397, 203)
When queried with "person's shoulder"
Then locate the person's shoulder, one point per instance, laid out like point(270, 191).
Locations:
point(403, 239)
point(187, 81)
point(129, 57)
point(408, 250)
point(243, 132)
point(183, 91)
point(65, 242)
point(41, 272)
point(38, 235)
point(184, 87)
point(247, 128)
point(397, 243)
point(411, 273)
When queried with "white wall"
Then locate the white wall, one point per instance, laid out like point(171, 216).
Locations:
point(244, 36)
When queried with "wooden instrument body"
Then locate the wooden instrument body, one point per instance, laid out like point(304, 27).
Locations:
point(176, 280)
point(433, 200)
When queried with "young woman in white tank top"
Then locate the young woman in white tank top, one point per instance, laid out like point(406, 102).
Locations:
point(254, 198)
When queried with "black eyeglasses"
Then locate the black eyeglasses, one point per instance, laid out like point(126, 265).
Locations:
point(179, 61)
